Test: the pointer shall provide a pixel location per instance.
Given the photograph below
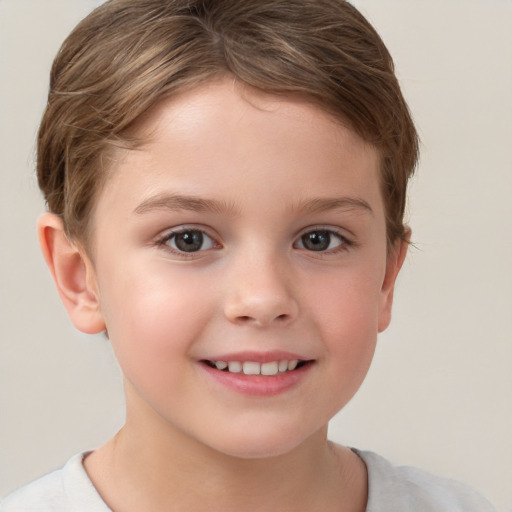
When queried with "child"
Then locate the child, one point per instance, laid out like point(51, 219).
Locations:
point(226, 186)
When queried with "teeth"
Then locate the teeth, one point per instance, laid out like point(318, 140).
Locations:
point(269, 368)
point(250, 368)
point(253, 368)
point(234, 367)
point(283, 366)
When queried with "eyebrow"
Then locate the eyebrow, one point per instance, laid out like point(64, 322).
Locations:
point(176, 202)
point(319, 205)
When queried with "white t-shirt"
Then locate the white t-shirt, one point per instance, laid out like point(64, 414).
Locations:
point(390, 489)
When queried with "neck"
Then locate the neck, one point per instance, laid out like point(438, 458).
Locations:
point(150, 466)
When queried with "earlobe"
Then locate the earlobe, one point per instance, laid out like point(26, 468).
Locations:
point(394, 263)
point(73, 274)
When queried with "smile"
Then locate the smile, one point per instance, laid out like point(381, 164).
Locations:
point(258, 374)
point(254, 368)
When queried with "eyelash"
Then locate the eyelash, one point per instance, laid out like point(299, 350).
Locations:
point(344, 242)
point(168, 237)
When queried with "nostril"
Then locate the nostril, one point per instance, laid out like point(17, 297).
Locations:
point(259, 320)
point(261, 311)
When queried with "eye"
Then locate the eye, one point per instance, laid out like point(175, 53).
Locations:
point(321, 240)
point(188, 240)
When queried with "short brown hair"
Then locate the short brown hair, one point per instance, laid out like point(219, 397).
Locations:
point(129, 54)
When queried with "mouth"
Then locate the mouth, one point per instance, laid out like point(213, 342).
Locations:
point(268, 369)
point(258, 374)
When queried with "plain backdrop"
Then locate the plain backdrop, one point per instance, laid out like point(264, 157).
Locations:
point(439, 394)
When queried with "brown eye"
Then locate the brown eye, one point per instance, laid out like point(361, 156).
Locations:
point(320, 240)
point(190, 240)
point(316, 240)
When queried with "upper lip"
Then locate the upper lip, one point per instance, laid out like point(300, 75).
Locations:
point(258, 357)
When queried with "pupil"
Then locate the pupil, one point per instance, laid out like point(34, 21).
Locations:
point(316, 240)
point(189, 241)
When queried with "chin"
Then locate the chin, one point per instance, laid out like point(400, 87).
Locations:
point(261, 444)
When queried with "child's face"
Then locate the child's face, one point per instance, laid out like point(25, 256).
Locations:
point(248, 229)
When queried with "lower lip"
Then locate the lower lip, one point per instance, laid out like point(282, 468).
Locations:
point(259, 385)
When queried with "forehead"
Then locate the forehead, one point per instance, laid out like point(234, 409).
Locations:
point(223, 138)
point(226, 104)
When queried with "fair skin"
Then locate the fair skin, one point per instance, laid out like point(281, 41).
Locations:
point(247, 229)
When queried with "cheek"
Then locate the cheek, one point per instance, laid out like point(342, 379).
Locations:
point(153, 313)
point(350, 334)
point(348, 299)
point(347, 314)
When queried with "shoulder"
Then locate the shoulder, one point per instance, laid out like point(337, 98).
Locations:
point(63, 490)
point(45, 494)
point(404, 488)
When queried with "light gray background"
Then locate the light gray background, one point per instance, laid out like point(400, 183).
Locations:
point(440, 393)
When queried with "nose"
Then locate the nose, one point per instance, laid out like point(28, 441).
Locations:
point(260, 293)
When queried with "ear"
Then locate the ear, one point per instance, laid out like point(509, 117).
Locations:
point(394, 263)
point(73, 274)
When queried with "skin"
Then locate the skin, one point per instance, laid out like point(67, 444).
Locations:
point(275, 169)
